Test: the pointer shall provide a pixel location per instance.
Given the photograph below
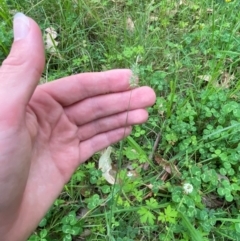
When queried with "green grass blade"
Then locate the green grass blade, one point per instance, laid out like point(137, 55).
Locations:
point(195, 235)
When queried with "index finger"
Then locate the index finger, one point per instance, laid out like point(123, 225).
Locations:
point(72, 89)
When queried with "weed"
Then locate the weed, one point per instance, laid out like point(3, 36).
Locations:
point(185, 186)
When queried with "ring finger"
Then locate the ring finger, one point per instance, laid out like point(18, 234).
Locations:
point(112, 122)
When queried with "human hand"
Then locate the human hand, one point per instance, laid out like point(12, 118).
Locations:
point(47, 131)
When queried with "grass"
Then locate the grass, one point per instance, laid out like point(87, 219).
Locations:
point(188, 51)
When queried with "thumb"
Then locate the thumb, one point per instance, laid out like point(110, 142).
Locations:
point(21, 71)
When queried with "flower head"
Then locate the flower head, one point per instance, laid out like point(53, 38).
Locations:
point(188, 188)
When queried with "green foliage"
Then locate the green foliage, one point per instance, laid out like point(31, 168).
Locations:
point(66, 228)
point(93, 201)
point(194, 234)
point(70, 226)
point(41, 237)
point(6, 39)
point(188, 51)
point(169, 215)
point(146, 216)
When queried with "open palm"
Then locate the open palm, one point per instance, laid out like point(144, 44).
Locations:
point(47, 131)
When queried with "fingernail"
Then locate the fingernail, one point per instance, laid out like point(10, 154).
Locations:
point(21, 26)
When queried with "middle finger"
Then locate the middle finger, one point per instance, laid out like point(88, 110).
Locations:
point(106, 105)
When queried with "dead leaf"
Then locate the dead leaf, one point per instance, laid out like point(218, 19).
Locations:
point(51, 32)
point(168, 167)
point(160, 111)
point(132, 174)
point(150, 186)
point(220, 177)
point(84, 234)
point(153, 18)
point(150, 194)
point(205, 77)
point(160, 187)
point(181, 2)
point(225, 80)
point(129, 166)
point(212, 201)
point(130, 25)
point(209, 10)
point(82, 212)
point(13, 11)
point(42, 80)
point(105, 165)
point(49, 40)
point(164, 177)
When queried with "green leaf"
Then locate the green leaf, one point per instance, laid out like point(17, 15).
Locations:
point(176, 198)
point(146, 216)
point(58, 202)
point(221, 191)
point(226, 183)
point(203, 215)
point(106, 189)
point(191, 211)
point(135, 145)
point(231, 171)
point(42, 223)
point(194, 234)
point(67, 237)
point(78, 175)
point(196, 181)
point(34, 237)
point(170, 214)
point(43, 233)
point(162, 217)
point(205, 177)
point(235, 187)
point(236, 112)
point(94, 201)
point(75, 230)
point(222, 171)
point(152, 203)
point(66, 228)
point(93, 179)
point(227, 165)
point(169, 211)
point(217, 152)
point(196, 171)
point(229, 198)
point(65, 220)
point(131, 153)
point(237, 227)
point(72, 218)
point(188, 201)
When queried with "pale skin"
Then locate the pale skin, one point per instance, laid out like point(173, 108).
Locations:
point(47, 131)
